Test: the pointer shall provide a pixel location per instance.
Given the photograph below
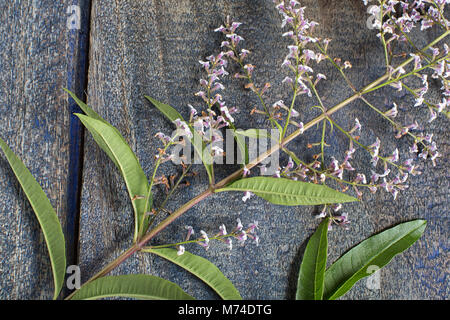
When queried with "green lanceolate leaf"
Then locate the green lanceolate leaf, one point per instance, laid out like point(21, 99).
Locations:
point(92, 114)
point(314, 263)
point(288, 192)
point(86, 109)
point(196, 140)
point(112, 142)
point(203, 269)
point(46, 215)
point(139, 286)
point(376, 251)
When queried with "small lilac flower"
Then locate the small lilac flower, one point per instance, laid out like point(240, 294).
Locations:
point(242, 237)
point(205, 242)
point(392, 113)
point(360, 178)
point(193, 111)
point(220, 29)
point(247, 195)
point(223, 230)
point(287, 80)
point(252, 227)
point(190, 232)
point(394, 157)
point(244, 53)
point(375, 147)
point(309, 55)
point(234, 26)
point(239, 225)
point(164, 138)
point(205, 64)
point(321, 76)
point(229, 242)
point(181, 250)
point(301, 127)
point(183, 128)
point(375, 176)
point(357, 126)
point(322, 214)
point(397, 85)
point(290, 164)
point(433, 115)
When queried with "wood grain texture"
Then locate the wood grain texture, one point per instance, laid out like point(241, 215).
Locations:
point(38, 56)
point(152, 48)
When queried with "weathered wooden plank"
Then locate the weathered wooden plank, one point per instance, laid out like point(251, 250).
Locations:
point(39, 56)
point(152, 48)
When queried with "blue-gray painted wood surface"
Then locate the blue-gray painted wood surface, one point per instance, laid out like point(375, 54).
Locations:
point(152, 48)
point(39, 56)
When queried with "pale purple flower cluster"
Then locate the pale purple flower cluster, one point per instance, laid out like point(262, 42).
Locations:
point(215, 69)
point(299, 57)
point(403, 16)
point(398, 19)
point(240, 234)
point(340, 219)
point(207, 123)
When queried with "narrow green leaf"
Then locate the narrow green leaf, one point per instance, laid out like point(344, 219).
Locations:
point(203, 269)
point(86, 109)
point(100, 141)
point(196, 140)
point(140, 286)
point(314, 263)
point(288, 192)
point(46, 215)
point(92, 114)
point(376, 251)
point(112, 142)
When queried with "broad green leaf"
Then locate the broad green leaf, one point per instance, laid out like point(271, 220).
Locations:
point(112, 142)
point(314, 263)
point(203, 269)
point(196, 141)
point(46, 215)
point(376, 251)
point(139, 286)
point(288, 192)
